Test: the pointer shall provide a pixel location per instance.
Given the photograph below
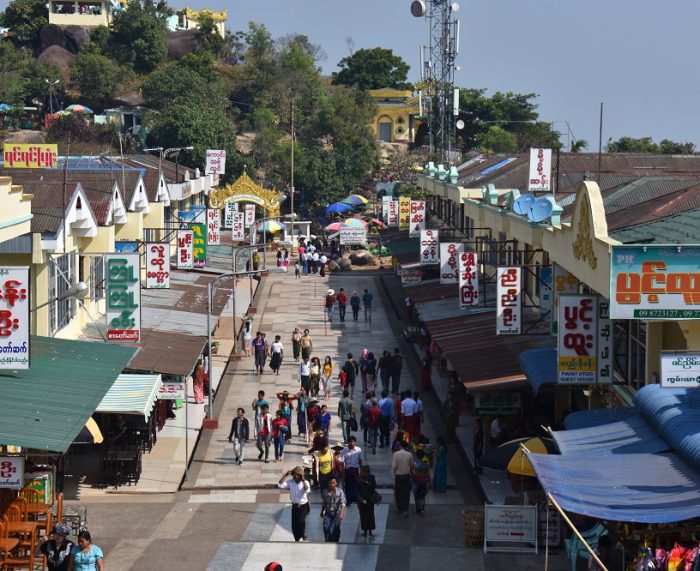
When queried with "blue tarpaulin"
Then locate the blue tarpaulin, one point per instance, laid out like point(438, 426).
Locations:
point(646, 488)
point(597, 417)
point(539, 366)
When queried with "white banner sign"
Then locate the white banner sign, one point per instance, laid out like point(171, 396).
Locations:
point(229, 209)
point(185, 243)
point(680, 370)
point(238, 227)
point(157, 266)
point(409, 276)
point(393, 219)
point(172, 390)
point(123, 289)
point(353, 236)
point(418, 216)
point(468, 280)
point(386, 200)
point(429, 248)
point(605, 343)
point(540, 170)
point(249, 215)
point(510, 524)
point(213, 226)
point(508, 300)
point(577, 339)
point(14, 317)
point(449, 260)
point(12, 472)
point(216, 162)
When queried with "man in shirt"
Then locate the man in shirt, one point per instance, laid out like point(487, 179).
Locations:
point(306, 344)
point(342, 303)
point(239, 434)
point(401, 466)
point(346, 410)
point(367, 303)
point(409, 415)
point(350, 368)
point(324, 420)
point(374, 413)
point(386, 405)
point(351, 457)
point(315, 262)
point(396, 365)
point(299, 494)
point(257, 411)
point(264, 433)
point(324, 459)
point(305, 373)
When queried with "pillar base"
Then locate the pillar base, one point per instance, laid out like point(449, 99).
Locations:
point(210, 423)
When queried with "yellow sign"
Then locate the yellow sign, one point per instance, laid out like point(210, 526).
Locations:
point(30, 155)
point(404, 212)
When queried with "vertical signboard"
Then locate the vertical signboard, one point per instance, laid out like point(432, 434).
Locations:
point(508, 300)
point(393, 219)
point(605, 343)
point(564, 283)
point(429, 248)
point(385, 208)
point(199, 244)
point(577, 357)
point(249, 215)
point(545, 282)
point(417, 217)
point(215, 162)
point(123, 297)
point(12, 472)
point(229, 209)
point(213, 226)
point(468, 280)
point(404, 212)
point(449, 260)
point(238, 227)
point(157, 266)
point(540, 170)
point(185, 240)
point(14, 317)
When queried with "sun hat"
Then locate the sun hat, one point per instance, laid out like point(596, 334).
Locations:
point(62, 529)
point(330, 292)
point(338, 446)
point(298, 470)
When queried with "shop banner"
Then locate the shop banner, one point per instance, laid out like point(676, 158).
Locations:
point(172, 390)
point(238, 227)
point(429, 248)
point(655, 282)
point(185, 240)
point(540, 170)
point(158, 266)
point(545, 280)
point(409, 276)
point(30, 155)
point(404, 212)
point(418, 217)
point(213, 226)
point(249, 215)
point(510, 524)
point(577, 339)
point(14, 317)
point(385, 208)
point(449, 260)
point(215, 162)
point(605, 343)
point(353, 236)
point(12, 472)
point(564, 283)
point(123, 297)
point(229, 209)
point(393, 219)
point(199, 244)
point(497, 404)
point(508, 300)
point(680, 370)
point(468, 280)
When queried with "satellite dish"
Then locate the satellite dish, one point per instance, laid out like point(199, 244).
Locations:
point(454, 6)
point(418, 8)
point(460, 124)
point(540, 210)
point(523, 203)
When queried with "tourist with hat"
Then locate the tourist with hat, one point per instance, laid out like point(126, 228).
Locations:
point(293, 480)
point(57, 548)
point(330, 302)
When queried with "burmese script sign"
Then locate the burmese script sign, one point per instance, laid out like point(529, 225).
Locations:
point(14, 317)
point(30, 155)
point(577, 356)
point(510, 524)
point(123, 297)
point(680, 370)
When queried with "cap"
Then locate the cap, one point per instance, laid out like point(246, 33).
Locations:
point(273, 566)
point(330, 292)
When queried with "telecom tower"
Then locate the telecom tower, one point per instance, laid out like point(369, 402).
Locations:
point(438, 98)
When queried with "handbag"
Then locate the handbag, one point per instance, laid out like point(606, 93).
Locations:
point(353, 424)
point(375, 498)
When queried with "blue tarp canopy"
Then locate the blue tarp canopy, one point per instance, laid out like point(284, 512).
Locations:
point(645, 488)
point(627, 436)
point(597, 416)
point(539, 366)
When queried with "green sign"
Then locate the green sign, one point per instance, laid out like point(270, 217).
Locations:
point(494, 404)
point(667, 313)
point(199, 244)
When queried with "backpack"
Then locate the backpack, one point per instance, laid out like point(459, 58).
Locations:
point(396, 362)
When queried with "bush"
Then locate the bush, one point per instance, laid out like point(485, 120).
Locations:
point(77, 128)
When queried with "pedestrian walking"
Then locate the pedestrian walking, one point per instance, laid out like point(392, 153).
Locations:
point(264, 434)
point(364, 425)
point(277, 354)
point(280, 258)
point(367, 497)
point(198, 382)
point(86, 556)
point(371, 371)
point(385, 370)
point(303, 400)
point(351, 457)
point(386, 405)
point(324, 460)
point(342, 303)
point(402, 468)
point(327, 374)
point(346, 412)
point(409, 415)
point(350, 368)
point(280, 430)
point(330, 302)
point(363, 368)
point(316, 261)
point(332, 510)
point(56, 548)
point(305, 374)
point(286, 407)
point(240, 432)
point(419, 411)
point(440, 471)
point(367, 304)
point(315, 371)
point(304, 262)
point(257, 406)
point(247, 337)
point(421, 479)
point(324, 420)
point(374, 413)
point(396, 366)
point(259, 352)
point(355, 305)
point(297, 271)
point(296, 344)
point(307, 344)
point(293, 480)
point(312, 414)
point(322, 261)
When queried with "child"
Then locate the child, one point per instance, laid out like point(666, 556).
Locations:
point(324, 420)
point(327, 373)
point(297, 271)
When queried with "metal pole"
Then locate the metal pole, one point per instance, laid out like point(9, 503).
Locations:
point(187, 427)
point(209, 367)
point(233, 271)
point(291, 206)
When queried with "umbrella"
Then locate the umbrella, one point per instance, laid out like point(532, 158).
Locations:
point(375, 222)
point(353, 223)
point(80, 109)
point(4, 107)
point(519, 464)
point(338, 207)
point(271, 226)
point(355, 200)
point(333, 227)
point(499, 458)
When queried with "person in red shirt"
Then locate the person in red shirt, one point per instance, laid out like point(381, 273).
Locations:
point(373, 415)
point(342, 302)
point(280, 429)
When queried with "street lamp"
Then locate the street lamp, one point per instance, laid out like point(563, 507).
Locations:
point(77, 290)
point(51, 84)
point(176, 151)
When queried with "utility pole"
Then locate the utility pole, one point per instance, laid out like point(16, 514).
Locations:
point(291, 206)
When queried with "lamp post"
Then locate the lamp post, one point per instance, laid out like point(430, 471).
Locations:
point(51, 85)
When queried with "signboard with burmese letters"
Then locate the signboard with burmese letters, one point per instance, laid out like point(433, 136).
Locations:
point(249, 215)
point(14, 317)
point(429, 249)
point(215, 162)
point(605, 343)
point(199, 244)
point(468, 280)
point(564, 282)
point(158, 266)
point(418, 216)
point(508, 300)
point(123, 293)
point(238, 227)
point(229, 208)
point(409, 275)
point(12, 472)
point(540, 178)
point(393, 219)
point(577, 356)
point(510, 524)
point(353, 236)
point(30, 155)
point(185, 241)
point(404, 212)
point(172, 390)
point(680, 370)
point(213, 226)
point(449, 257)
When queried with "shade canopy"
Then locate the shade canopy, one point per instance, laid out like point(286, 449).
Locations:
point(132, 394)
point(271, 226)
point(77, 108)
point(355, 200)
point(4, 107)
point(500, 457)
point(338, 207)
point(519, 464)
point(539, 366)
point(353, 223)
point(375, 222)
point(597, 417)
point(334, 227)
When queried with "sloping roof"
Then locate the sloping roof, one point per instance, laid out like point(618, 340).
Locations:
point(167, 167)
point(680, 229)
point(47, 204)
point(99, 193)
point(151, 180)
point(132, 394)
point(46, 406)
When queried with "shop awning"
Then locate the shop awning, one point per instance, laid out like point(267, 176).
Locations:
point(628, 436)
point(539, 366)
point(132, 394)
point(646, 488)
point(46, 406)
point(597, 416)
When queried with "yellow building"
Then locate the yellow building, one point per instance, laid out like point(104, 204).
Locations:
point(188, 19)
point(80, 12)
point(396, 119)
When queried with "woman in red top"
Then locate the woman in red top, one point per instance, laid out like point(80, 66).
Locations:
point(280, 429)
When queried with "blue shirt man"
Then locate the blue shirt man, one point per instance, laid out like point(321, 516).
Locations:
point(367, 302)
point(386, 405)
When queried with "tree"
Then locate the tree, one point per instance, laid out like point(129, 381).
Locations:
point(647, 145)
point(24, 19)
point(497, 140)
point(372, 69)
point(138, 36)
point(96, 76)
point(214, 42)
point(578, 145)
point(667, 147)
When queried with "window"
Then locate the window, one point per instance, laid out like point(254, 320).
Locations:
point(97, 277)
point(62, 275)
point(385, 132)
point(630, 352)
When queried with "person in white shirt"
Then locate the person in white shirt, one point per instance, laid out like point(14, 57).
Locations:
point(402, 466)
point(409, 415)
point(314, 261)
point(496, 431)
point(305, 374)
point(299, 490)
point(277, 350)
point(351, 456)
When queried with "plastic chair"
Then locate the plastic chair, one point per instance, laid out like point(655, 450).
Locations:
point(7, 544)
point(574, 547)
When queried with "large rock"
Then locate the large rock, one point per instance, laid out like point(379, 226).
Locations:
point(76, 37)
point(58, 56)
point(333, 267)
point(183, 42)
point(344, 264)
point(51, 35)
point(362, 258)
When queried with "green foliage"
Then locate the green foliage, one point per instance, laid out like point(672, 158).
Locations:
point(137, 36)
point(372, 69)
point(578, 145)
point(24, 19)
point(214, 43)
point(647, 145)
point(23, 79)
point(496, 140)
point(97, 77)
point(76, 128)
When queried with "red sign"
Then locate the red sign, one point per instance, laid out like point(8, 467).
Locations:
point(14, 318)
point(157, 266)
point(468, 280)
point(429, 253)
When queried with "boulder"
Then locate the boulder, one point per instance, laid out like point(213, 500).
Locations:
point(76, 37)
point(333, 267)
point(344, 264)
point(58, 56)
point(362, 258)
point(51, 35)
point(183, 42)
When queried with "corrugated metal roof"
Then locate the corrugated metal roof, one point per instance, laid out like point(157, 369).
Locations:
point(46, 406)
point(679, 229)
point(132, 394)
